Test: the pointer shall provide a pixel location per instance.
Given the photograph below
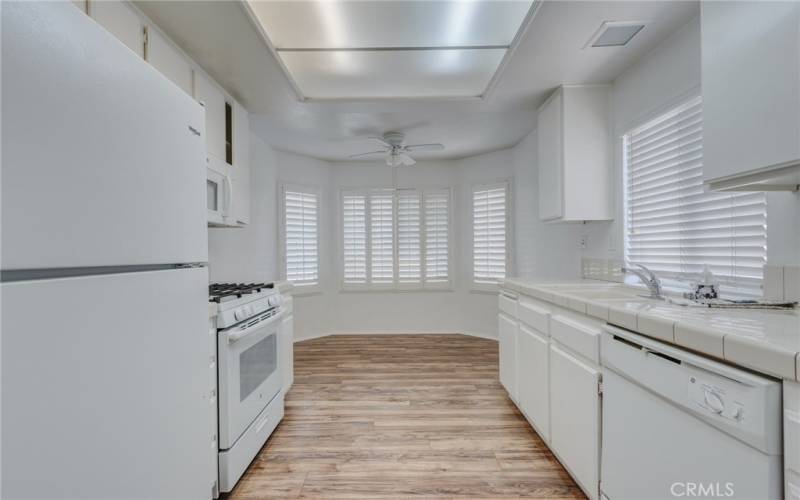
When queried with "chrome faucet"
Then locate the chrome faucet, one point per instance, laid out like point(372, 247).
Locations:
point(649, 278)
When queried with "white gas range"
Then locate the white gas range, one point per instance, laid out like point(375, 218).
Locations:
point(249, 377)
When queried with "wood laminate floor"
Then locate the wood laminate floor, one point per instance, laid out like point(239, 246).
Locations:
point(402, 416)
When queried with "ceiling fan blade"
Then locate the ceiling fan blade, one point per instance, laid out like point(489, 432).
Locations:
point(407, 160)
point(380, 139)
point(424, 147)
point(383, 151)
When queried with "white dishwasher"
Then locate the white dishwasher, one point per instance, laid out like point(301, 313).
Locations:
point(676, 424)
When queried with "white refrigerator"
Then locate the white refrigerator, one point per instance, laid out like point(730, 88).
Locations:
point(105, 366)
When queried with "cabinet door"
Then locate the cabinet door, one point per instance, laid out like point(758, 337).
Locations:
point(751, 86)
point(549, 132)
point(507, 332)
point(287, 351)
point(166, 59)
point(532, 379)
point(240, 172)
point(575, 417)
point(121, 21)
point(214, 101)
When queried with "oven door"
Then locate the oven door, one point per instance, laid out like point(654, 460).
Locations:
point(218, 196)
point(249, 376)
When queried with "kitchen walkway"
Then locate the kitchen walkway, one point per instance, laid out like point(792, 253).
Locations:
point(402, 416)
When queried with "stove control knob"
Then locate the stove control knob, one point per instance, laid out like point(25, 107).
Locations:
point(239, 314)
point(714, 401)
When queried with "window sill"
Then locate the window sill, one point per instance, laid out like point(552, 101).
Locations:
point(485, 288)
point(397, 290)
point(306, 290)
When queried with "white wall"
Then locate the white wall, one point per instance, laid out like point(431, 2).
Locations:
point(457, 310)
point(665, 76)
point(251, 253)
point(542, 251)
point(248, 254)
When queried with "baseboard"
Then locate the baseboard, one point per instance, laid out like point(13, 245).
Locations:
point(389, 332)
point(481, 335)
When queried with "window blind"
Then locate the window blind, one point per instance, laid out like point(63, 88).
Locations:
point(395, 238)
point(354, 214)
point(437, 244)
point(489, 232)
point(409, 251)
point(673, 226)
point(300, 209)
point(381, 211)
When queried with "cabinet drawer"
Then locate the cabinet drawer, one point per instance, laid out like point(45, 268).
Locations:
point(507, 305)
point(534, 315)
point(580, 338)
point(791, 437)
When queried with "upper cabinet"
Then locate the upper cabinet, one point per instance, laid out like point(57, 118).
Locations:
point(751, 94)
point(210, 96)
point(575, 155)
point(227, 122)
point(240, 172)
point(168, 60)
point(228, 143)
point(121, 21)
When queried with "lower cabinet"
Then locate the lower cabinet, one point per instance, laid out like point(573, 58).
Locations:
point(286, 350)
point(507, 337)
point(533, 379)
point(575, 417)
point(791, 437)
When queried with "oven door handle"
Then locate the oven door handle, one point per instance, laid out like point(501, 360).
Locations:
point(240, 334)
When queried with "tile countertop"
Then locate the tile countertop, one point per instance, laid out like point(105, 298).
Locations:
point(766, 341)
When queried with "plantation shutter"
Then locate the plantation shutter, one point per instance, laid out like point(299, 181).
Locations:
point(437, 247)
point(673, 226)
point(382, 236)
point(489, 216)
point(409, 262)
point(300, 236)
point(354, 224)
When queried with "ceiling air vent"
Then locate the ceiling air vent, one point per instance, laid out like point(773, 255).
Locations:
point(615, 33)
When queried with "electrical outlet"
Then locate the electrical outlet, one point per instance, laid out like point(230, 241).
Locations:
point(584, 241)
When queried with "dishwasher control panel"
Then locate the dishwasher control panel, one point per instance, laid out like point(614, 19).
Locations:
point(714, 398)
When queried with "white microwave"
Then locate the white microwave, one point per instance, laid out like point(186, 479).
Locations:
point(219, 195)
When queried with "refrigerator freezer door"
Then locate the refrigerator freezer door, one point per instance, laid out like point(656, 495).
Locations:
point(105, 387)
point(103, 157)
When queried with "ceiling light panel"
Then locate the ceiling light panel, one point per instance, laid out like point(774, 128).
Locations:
point(392, 74)
point(336, 24)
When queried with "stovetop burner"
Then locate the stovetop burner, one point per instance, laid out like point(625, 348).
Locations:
point(218, 292)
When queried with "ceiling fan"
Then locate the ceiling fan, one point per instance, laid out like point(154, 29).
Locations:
point(397, 153)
